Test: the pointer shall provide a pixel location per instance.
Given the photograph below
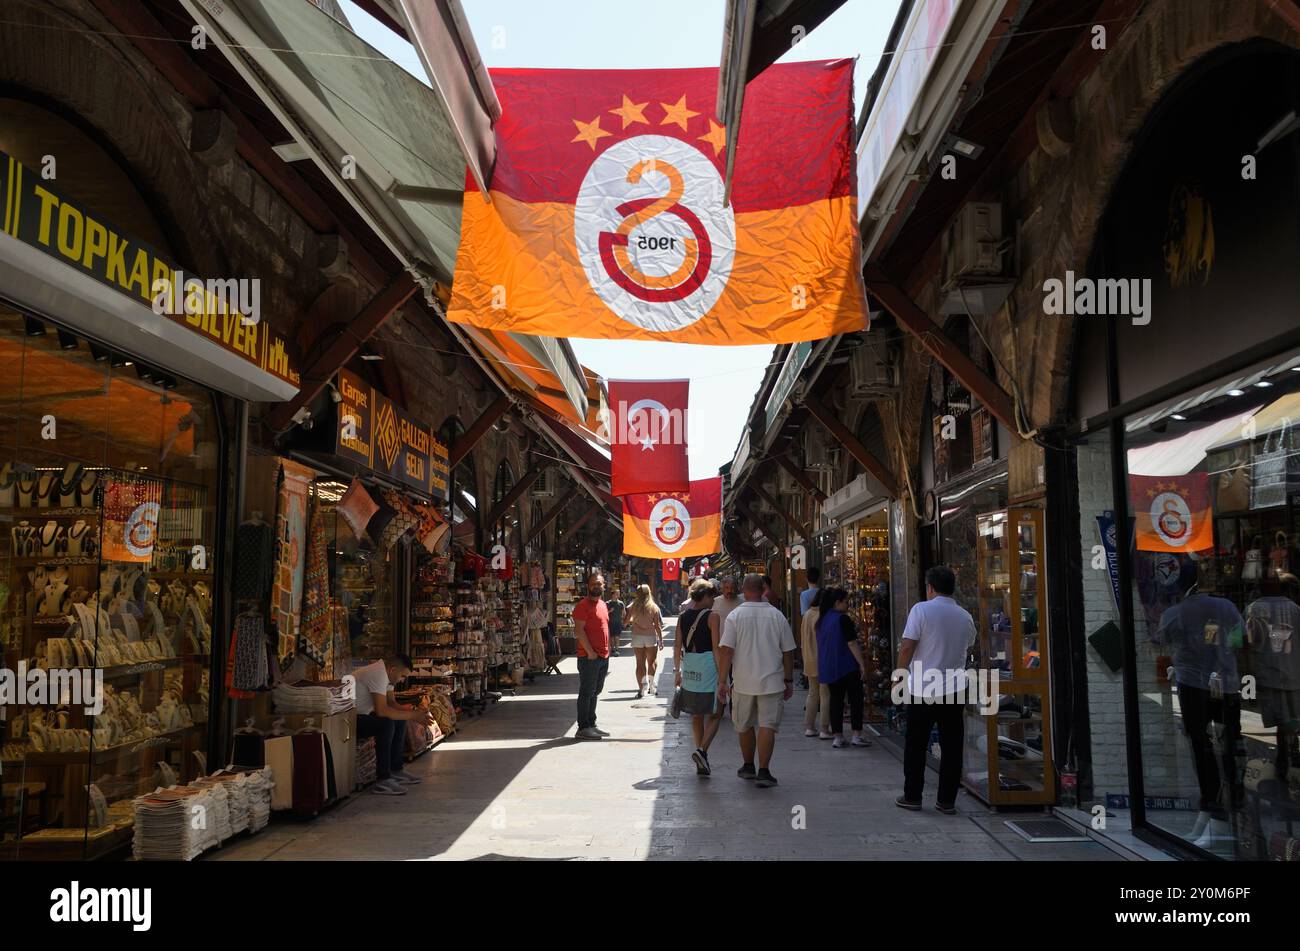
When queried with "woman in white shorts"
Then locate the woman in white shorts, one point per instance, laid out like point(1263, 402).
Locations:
point(647, 638)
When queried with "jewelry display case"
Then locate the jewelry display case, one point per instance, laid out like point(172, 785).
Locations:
point(107, 526)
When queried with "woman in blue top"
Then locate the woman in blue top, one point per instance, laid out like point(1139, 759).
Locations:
point(840, 664)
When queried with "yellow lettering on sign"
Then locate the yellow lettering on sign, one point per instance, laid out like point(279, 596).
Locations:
point(414, 466)
point(96, 242)
point(140, 273)
point(49, 202)
point(70, 220)
point(116, 261)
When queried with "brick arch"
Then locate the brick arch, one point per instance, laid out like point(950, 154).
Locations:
point(67, 54)
point(1111, 107)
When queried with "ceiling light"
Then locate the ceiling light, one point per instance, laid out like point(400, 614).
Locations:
point(1236, 392)
point(35, 328)
point(67, 341)
point(372, 356)
point(963, 147)
point(1263, 383)
point(1178, 416)
point(99, 353)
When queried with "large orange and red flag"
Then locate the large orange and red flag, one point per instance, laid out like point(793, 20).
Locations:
point(608, 216)
point(674, 524)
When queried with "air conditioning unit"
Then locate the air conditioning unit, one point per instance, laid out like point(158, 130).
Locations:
point(972, 243)
point(544, 487)
point(868, 375)
point(786, 484)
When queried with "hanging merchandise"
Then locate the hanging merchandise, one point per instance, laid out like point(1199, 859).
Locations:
point(672, 569)
point(255, 543)
point(314, 638)
point(681, 524)
point(357, 508)
point(131, 508)
point(648, 441)
point(1277, 469)
point(246, 668)
point(562, 241)
point(291, 538)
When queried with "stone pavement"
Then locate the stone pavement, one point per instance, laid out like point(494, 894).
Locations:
point(514, 783)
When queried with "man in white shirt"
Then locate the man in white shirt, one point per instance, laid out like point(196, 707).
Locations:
point(936, 642)
point(380, 716)
point(757, 649)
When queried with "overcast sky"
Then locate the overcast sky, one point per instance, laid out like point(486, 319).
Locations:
point(600, 34)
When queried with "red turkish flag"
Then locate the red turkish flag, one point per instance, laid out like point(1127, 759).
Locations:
point(672, 569)
point(648, 436)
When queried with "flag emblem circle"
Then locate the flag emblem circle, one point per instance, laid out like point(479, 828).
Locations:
point(1171, 518)
point(655, 238)
point(670, 525)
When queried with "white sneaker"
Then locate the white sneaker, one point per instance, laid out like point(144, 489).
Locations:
point(825, 735)
point(809, 732)
point(654, 689)
point(387, 787)
point(859, 740)
point(838, 744)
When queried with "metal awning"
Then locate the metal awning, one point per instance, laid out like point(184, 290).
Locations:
point(395, 148)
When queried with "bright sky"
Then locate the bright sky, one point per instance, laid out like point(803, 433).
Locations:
point(599, 34)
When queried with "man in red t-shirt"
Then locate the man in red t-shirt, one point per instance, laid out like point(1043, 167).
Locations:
point(591, 625)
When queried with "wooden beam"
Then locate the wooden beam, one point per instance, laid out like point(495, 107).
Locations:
point(457, 453)
point(584, 518)
point(800, 477)
point(865, 457)
point(343, 348)
point(917, 322)
point(744, 510)
point(553, 514)
point(516, 490)
point(793, 522)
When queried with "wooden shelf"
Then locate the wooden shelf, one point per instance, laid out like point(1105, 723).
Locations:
point(108, 753)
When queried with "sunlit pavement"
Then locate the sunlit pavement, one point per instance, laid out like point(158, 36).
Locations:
point(514, 783)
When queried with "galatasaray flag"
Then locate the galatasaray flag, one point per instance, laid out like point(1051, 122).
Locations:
point(681, 524)
point(648, 442)
point(1172, 513)
point(607, 216)
point(672, 569)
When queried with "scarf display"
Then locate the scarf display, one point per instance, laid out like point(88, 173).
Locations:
point(339, 661)
point(290, 561)
point(246, 667)
point(314, 636)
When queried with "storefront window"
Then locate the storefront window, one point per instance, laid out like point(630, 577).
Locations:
point(1214, 497)
point(108, 491)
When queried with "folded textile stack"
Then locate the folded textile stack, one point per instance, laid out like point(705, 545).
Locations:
point(236, 786)
point(258, 784)
point(220, 820)
point(164, 825)
point(307, 697)
point(367, 762)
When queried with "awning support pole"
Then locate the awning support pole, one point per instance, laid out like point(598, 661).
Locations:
point(801, 478)
point(457, 453)
point(518, 489)
point(744, 510)
point(865, 457)
point(552, 515)
point(790, 519)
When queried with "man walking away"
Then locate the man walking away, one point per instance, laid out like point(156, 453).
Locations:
point(937, 637)
point(591, 625)
point(757, 648)
point(808, 596)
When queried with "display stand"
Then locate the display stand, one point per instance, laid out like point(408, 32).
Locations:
point(1008, 753)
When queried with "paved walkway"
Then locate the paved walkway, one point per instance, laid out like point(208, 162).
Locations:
point(513, 783)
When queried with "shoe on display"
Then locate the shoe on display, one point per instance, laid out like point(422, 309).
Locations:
point(907, 804)
point(825, 735)
point(838, 744)
point(859, 740)
point(701, 759)
point(747, 771)
point(386, 787)
point(587, 734)
point(408, 779)
point(809, 732)
point(765, 779)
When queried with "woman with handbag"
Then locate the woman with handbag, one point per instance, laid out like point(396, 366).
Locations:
point(647, 639)
point(695, 652)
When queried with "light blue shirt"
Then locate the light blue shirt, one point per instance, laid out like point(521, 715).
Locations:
point(806, 598)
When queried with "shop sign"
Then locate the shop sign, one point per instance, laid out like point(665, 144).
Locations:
point(37, 215)
point(795, 361)
point(375, 432)
point(910, 68)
